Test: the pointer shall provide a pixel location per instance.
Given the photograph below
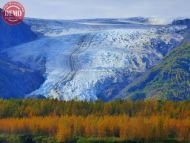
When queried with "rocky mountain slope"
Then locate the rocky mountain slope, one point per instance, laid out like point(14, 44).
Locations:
point(169, 80)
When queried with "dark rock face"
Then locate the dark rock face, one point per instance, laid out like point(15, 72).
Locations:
point(14, 35)
point(16, 80)
point(182, 22)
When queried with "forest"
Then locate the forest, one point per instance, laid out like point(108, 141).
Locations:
point(53, 121)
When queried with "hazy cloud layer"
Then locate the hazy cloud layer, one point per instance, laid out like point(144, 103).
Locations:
point(77, 9)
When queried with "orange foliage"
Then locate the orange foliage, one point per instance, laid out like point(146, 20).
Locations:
point(122, 126)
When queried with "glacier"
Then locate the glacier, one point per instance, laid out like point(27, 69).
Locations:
point(89, 59)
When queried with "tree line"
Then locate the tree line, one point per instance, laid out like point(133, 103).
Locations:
point(32, 107)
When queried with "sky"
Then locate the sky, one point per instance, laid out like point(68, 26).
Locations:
point(89, 9)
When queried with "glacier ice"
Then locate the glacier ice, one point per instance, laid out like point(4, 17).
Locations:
point(92, 59)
